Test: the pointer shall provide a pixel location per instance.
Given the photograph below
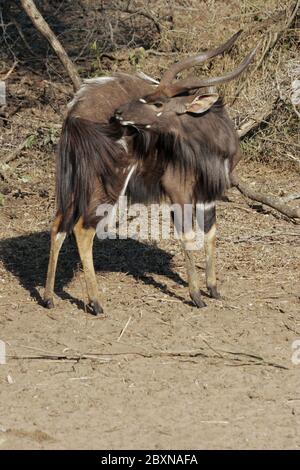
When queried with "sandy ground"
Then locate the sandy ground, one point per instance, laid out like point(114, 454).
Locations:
point(219, 377)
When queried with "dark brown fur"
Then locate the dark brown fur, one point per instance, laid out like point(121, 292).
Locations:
point(91, 163)
point(199, 146)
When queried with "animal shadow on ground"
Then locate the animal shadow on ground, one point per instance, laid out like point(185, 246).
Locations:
point(26, 257)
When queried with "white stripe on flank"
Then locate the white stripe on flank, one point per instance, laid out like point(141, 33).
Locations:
point(114, 210)
point(127, 180)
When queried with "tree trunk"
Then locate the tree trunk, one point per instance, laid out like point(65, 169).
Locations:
point(44, 29)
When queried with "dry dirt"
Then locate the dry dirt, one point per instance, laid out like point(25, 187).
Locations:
point(220, 377)
point(179, 377)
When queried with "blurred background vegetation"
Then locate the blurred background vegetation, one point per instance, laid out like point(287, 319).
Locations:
point(103, 36)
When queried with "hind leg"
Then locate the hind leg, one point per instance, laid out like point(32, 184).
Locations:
point(57, 239)
point(84, 238)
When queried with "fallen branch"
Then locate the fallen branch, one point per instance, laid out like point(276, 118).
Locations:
point(6, 173)
point(292, 197)
point(58, 87)
point(271, 201)
point(15, 153)
point(45, 30)
point(234, 356)
point(255, 121)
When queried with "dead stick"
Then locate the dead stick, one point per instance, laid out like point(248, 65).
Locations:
point(256, 121)
point(271, 201)
point(194, 353)
point(58, 87)
point(46, 31)
point(15, 153)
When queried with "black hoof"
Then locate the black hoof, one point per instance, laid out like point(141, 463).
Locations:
point(95, 307)
point(196, 298)
point(48, 303)
point(213, 292)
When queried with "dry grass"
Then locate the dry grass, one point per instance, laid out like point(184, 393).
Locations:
point(102, 41)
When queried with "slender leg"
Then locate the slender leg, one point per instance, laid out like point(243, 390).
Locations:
point(84, 238)
point(210, 249)
point(193, 278)
point(189, 245)
point(57, 239)
point(180, 194)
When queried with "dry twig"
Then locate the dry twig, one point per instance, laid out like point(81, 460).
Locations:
point(234, 356)
point(124, 329)
point(254, 122)
point(15, 153)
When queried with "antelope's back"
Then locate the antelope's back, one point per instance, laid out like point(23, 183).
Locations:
point(98, 98)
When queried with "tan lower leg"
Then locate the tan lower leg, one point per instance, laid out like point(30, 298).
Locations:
point(190, 264)
point(57, 240)
point(84, 238)
point(193, 278)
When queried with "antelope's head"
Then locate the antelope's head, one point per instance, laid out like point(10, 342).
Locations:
point(173, 98)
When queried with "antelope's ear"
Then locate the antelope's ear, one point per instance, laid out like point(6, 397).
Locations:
point(201, 103)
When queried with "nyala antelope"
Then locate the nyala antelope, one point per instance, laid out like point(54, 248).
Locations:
point(171, 140)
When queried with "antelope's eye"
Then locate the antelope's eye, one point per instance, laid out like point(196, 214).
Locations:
point(158, 104)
